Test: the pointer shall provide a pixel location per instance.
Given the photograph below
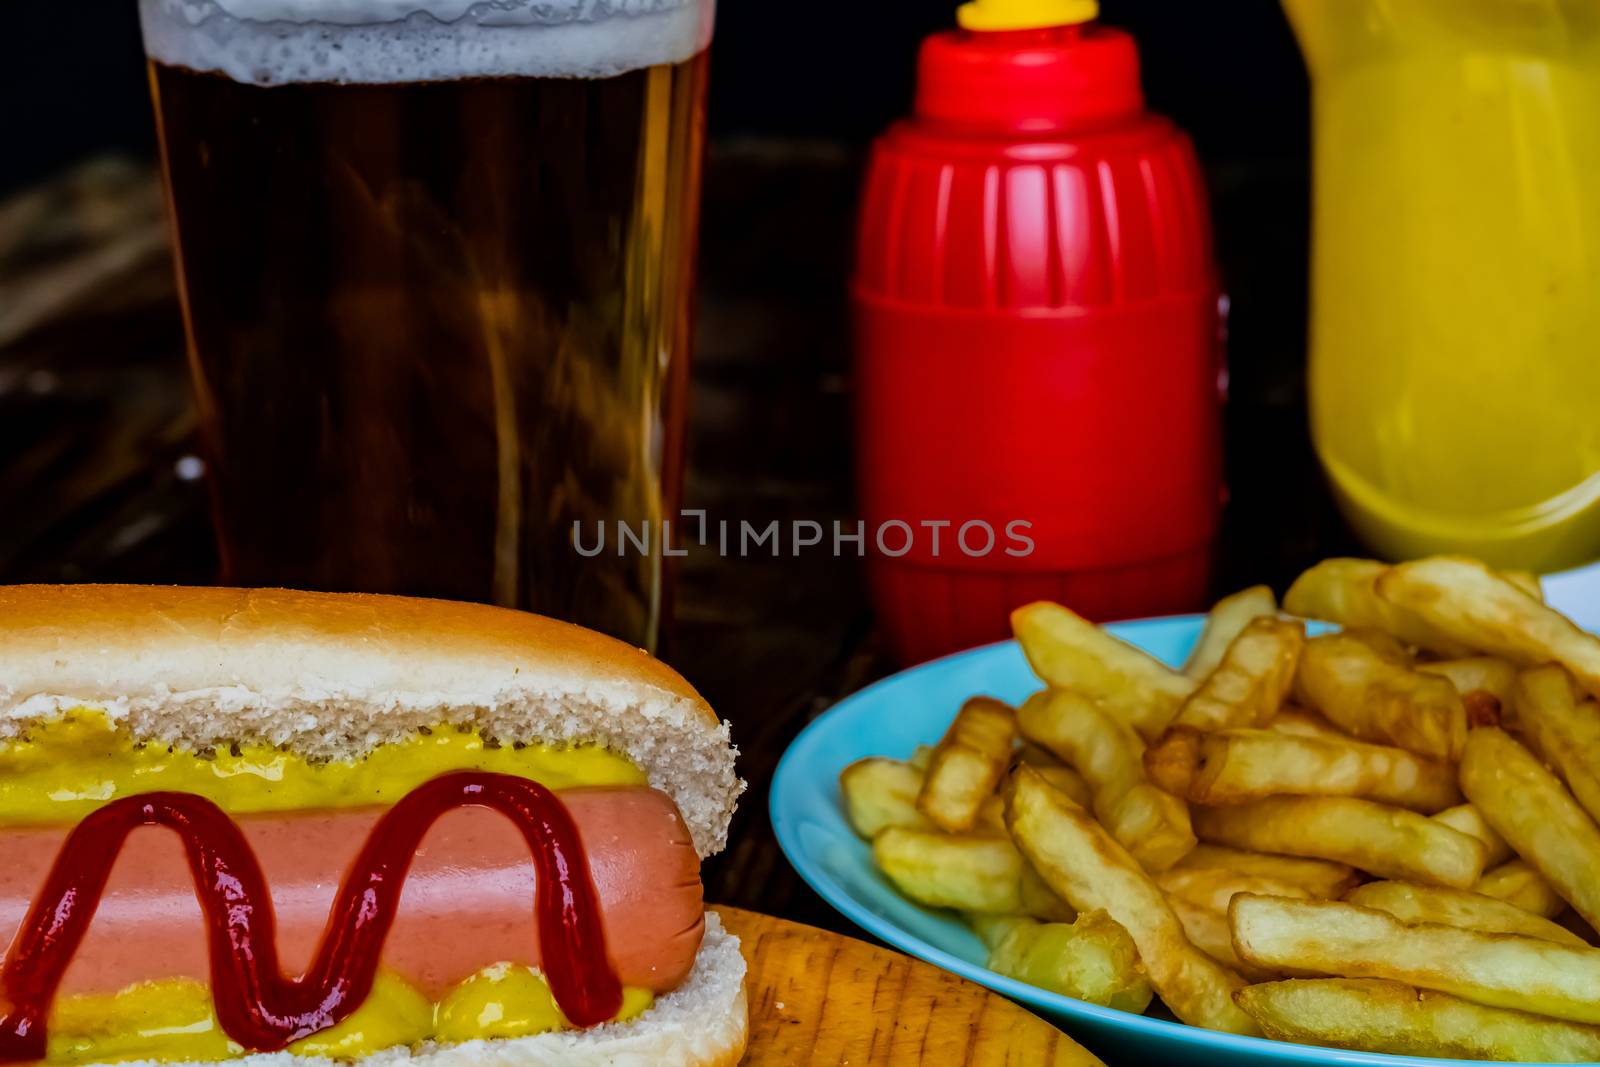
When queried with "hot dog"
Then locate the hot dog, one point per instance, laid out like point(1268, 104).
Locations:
point(464, 907)
point(260, 709)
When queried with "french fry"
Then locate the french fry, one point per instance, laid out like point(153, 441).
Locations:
point(1319, 878)
point(1176, 759)
point(1530, 808)
point(1379, 700)
point(1527, 581)
point(1386, 841)
point(1092, 959)
point(1385, 645)
point(991, 818)
point(1069, 652)
point(1518, 884)
point(1155, 825)
point(921, 756)
point(880, 793)
point(1345, 591)
point(1069, 782)
point(1491, 674)
point(1470, 821)
point(1500, 970)
point(1484, 682)
point(968, 763)
point(993, 929)
point(1208, 931)
point(1414, 903)
point(1250, 682)
point(1065, 778)
point(1478, 607)
point(1037, 755)
point(1088, 869)
point(1299, 721)
point(1541, 698)
point(1561, 729)
point(1373, 1015)
point(982, 874)
point(1226, 621)
point(1213, 889)
point(1236, 766)
point(1151, 824)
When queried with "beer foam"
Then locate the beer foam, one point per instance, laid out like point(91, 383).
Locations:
point(282, 42)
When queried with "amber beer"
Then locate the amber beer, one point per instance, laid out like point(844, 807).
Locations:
point(436, 277)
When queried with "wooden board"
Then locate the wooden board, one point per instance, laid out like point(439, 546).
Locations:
point(817, 998)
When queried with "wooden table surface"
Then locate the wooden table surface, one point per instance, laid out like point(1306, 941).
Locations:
point(98, 475)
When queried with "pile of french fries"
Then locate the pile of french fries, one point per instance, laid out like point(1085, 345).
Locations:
point(1380, 838)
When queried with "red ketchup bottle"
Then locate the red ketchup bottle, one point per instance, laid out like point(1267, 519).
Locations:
point(1038, 350)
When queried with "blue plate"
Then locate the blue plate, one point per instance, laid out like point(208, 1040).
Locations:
point(914, 707)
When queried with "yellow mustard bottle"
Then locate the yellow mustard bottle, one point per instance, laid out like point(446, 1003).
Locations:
point(1455, 337)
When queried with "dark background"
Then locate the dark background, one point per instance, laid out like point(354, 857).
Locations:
point(1229, 73)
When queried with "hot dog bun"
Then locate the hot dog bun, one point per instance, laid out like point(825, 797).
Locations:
point(334, 675)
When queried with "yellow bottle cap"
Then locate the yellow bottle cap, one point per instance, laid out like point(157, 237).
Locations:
point(1025, 14)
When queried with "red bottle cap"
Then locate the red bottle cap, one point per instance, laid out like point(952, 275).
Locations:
point(1045, 80)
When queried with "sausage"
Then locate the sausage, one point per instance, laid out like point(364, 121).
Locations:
point(468, 902)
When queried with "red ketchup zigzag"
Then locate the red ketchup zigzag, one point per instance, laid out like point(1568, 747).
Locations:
point(256, 1005)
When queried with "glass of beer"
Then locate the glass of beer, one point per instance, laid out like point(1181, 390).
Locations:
point(436, 260)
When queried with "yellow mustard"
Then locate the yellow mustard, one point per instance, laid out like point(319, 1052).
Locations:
point(508, 1001)
point(170, 1020)
point(173, 1021)
point(394, 1013)
point(66, 767)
